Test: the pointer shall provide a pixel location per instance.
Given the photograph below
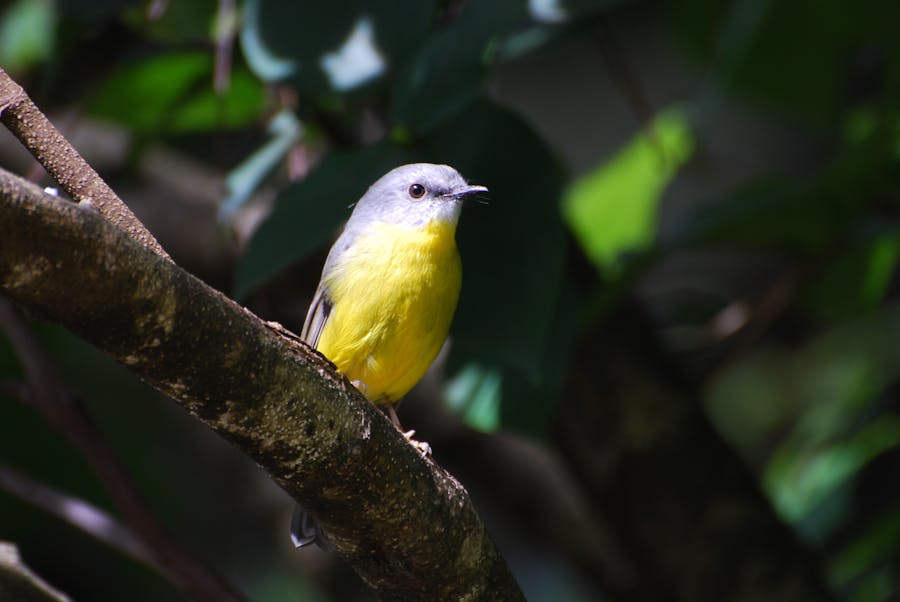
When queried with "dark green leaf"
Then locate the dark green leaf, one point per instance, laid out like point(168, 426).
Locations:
point(179, 23)
point(302, 33)
point(792, 56)
point(857, 279)
point(780, 213)
point(513, 247)
point(307, 213)
point(173, 93)
point(449, 70)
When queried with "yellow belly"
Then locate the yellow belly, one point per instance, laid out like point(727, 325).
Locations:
point(393, 296)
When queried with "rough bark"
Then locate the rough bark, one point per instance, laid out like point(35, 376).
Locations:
point(405, 525)
point(22, 117)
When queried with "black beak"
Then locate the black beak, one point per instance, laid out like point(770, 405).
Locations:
point(466, 192)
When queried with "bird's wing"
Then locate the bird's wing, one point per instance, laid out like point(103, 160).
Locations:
point(318, 313)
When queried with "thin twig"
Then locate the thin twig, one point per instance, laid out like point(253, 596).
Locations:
point(624, 78)
point(226, 28)
point(50, 398)
point(22, 117)
point(18, 582)
point(79, 513)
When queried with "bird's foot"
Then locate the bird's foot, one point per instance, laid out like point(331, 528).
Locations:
point(421, 446)
point(359, 385)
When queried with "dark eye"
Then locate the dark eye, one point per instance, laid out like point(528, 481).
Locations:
point(417, 191)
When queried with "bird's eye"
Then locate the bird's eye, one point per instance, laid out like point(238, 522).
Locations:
point(417, 191)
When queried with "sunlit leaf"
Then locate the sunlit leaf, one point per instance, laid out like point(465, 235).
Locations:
point(798, 482)
point(613, 209)
point(475, 393)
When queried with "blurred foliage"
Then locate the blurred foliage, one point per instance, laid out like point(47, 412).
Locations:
point(805, 387)
point(614, 210)
point(27, 34)
point(171, 93)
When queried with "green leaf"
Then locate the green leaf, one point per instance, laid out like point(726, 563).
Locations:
point(307, 212)
point(179, 23)
point(856, 280)
point(27, 34)
point(879, 543)
point(475, 393)
point(786, 213)
point(513, 248)
point(449, 70)
point(173, 93)
point(826, 396)
point(752, 47)
point(240, 105)
point(799, 482)
point(446, 75)
point(613, 209)
point(294, 40)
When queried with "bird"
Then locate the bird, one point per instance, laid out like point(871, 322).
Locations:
point(388, 291)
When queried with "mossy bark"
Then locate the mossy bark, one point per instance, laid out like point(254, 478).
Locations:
point(405, 525)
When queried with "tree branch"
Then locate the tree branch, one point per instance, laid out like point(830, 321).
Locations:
point(405, 525)
point(80, 514)
point(22, 117)
point(691, 516)
point(48, 395)
point(18, 583)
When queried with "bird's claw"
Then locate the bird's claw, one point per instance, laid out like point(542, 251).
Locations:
point(421, 446)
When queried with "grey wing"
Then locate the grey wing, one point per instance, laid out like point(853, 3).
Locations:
point(316, 317)
point(304, 528)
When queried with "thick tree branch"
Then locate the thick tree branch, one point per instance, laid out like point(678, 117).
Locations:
point(406, 526)
point(22, 117)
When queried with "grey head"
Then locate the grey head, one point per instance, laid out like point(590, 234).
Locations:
point(412, 196)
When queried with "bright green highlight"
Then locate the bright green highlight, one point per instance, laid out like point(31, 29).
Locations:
point(475, 393)
point(799, 486)
point(613, 209)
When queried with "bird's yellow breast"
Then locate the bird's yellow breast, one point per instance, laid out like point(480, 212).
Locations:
point(393, 293)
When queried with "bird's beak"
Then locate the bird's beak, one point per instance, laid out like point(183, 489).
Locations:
point(467, 191)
